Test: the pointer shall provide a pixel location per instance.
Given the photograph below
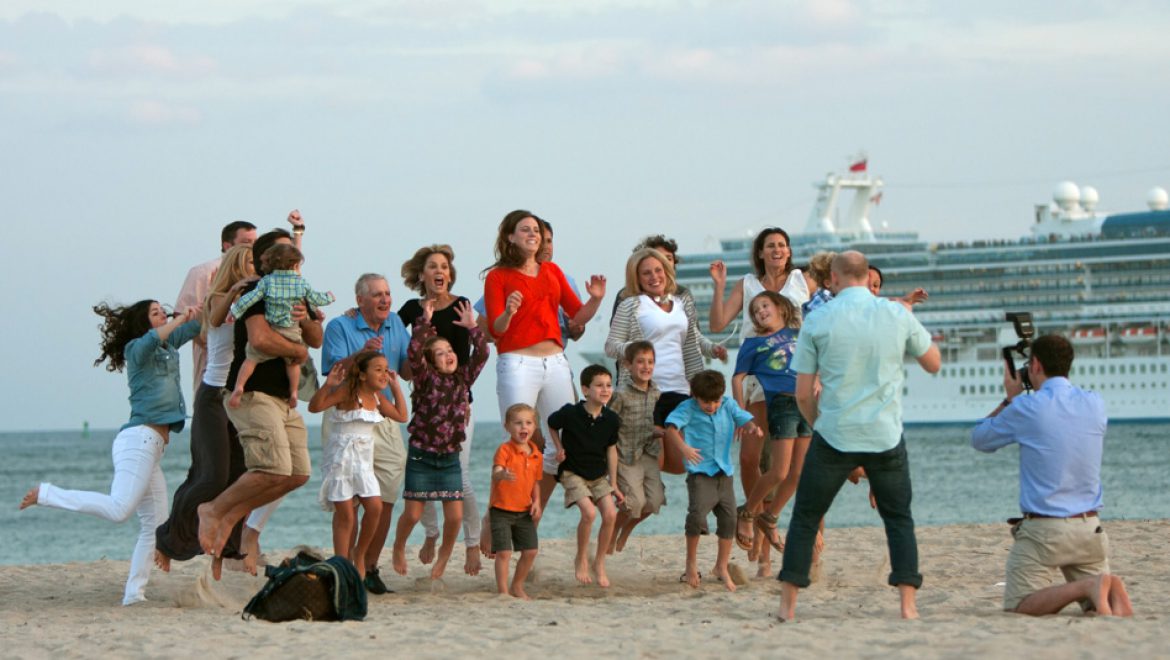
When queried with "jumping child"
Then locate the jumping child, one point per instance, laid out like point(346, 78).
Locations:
point(702, 429)
point(437, 429)
point(515, 499)
point(280, 289)
point(354, 406)
point(586, 435)
point(639, 470)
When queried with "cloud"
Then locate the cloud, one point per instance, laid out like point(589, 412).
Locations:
point(148, 59)
point(159, 113)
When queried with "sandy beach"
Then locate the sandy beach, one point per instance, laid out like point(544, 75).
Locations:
point(72, 610)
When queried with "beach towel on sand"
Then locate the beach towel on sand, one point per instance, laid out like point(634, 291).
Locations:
point(305, 587)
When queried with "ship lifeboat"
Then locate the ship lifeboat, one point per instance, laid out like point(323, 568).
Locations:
point(1088, 336)
point(1139, 334)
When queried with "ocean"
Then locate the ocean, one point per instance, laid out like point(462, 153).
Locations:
point(953, 484)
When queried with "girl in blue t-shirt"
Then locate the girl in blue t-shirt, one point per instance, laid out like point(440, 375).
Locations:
point(768, 357)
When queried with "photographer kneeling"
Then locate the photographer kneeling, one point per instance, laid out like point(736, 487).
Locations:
point(1061, 431)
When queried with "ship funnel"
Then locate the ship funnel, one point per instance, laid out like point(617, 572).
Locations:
point(1158, 199)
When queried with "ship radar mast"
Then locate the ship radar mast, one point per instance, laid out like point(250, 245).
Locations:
point(826, 218)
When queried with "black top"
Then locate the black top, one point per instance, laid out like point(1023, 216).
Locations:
point(585, 438)
point(444, 322)
point(270, 376)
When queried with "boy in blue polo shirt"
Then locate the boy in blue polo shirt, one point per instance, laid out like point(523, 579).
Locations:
point(702, 429)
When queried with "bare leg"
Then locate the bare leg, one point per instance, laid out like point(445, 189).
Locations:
point(426, 554)
point(604, 538)
point(763, 558)
point(523, 568)
point(1119, 598)
point(749, 462)
point(788, 594)
point(370, 516)
point(343, 517)
point(624, 535)
point(722, 570)
point(242, 377)
point(548, 483)
point(162, 561)
point(619, 526)
point(294, 379)
point(452, 523)
point(503, 562)
point(908, 596)
point(380, 533)
point(250, 548)
point(692, 574)
point(485, 535)
point(1055, 598)
point(406, 522)
point(581, 563)
point(251, 490)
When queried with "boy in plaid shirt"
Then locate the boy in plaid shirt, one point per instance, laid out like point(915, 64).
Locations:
point(280, 289)
point(639, 469)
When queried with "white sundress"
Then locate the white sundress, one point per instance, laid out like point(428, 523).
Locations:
point(348, 461)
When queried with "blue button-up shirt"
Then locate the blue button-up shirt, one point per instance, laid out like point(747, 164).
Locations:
point(345, 336)
point(712, 435)
point(857, 343)
point(152, 371)
point(1061, 432)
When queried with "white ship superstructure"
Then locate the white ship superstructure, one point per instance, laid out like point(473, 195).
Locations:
point(1101, 279)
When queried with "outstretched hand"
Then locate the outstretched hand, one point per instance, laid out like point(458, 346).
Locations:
point(718, 271)
point(336, 375)
point(428, 309)
point(596, 286)
point(692, 455)
point(466, 315)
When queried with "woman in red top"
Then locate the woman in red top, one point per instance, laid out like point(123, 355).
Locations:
point(522, 297)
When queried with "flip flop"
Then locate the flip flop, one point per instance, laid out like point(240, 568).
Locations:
point(766, 523)
point(745, 542)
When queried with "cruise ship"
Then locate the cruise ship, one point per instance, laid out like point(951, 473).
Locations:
point(1100, 279)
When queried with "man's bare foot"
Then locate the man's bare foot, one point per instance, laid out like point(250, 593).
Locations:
point(440, 565)
point(250, 549)
point(472, 566)
point(582, 565)
point(398, 559)
point(692, 577)
point(725, 576)
point(517, 591)
point(208, 526)
point(217, 568)
point(162, 561)
point(599, 568)
point(1100, 594)
point(1119, 598)
point(426, 554)
point(30, 498)
point(788, 594)
point(234, 399)
point(909, 597)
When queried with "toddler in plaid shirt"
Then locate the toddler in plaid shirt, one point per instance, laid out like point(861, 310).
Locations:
point(280, 289)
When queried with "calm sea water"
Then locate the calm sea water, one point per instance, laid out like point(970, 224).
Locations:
point(952, 484)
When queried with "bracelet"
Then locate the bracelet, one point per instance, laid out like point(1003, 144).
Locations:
point(299, 229)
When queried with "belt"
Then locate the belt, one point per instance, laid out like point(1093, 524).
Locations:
point(1087, 514)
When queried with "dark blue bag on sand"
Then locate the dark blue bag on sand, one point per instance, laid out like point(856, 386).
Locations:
point(305, 587)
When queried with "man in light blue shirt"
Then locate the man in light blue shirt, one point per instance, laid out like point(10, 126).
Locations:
point(1060, 429)
point(856, 344)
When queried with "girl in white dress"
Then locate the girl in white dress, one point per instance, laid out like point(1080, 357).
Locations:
point(354, 406)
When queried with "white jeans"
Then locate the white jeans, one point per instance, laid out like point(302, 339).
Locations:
point(471, 522)
point(544, 383)
point(139, 486)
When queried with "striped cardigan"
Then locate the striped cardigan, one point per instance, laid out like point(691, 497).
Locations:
point(624, 330)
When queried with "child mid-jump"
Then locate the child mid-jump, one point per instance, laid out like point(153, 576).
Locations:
point(437, 429)
point(354, 406)
point(515, 500)
point(702, 429)
point(280, 289)
point(639, 469)
point(586, 435)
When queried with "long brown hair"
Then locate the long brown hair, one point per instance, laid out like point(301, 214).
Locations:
point(121, 325)
point(758, 244)
point(353, 378)
point(412, 268)
point(508, 254)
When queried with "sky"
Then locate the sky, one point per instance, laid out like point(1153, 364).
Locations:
point(131, 132)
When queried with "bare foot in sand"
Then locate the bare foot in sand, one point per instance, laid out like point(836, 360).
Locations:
point(909, 597)
point(250, 549)
point(1119, 598)
point(1100, 594)
point(426, 554)
point(398, 560)
point(217, 568)
point(582, 571)
point(692, 577)
point(162, 561)
point(30, 498)
point(764, 568)
point(440, 566)
point(472, 566)
point(725, 576)
point(517, 591)
point(208, 525)
point(599, 568)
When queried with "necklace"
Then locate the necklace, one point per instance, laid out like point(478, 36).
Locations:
point(664, 299)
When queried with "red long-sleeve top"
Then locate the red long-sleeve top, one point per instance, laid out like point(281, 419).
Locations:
point(537, 319)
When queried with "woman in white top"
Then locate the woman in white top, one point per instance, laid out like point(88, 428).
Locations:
point(216, 457)
point(652, 311)
point(773, 271)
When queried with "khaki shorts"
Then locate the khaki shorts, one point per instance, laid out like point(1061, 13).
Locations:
point(641, 483)
point(389, 459)
point(577, 488)
point(1046, 548)
point(272, 435)
point(291, 333)
point(753, 392)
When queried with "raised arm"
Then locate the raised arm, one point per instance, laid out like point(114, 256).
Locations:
point(396, 410)
point(723, 311)
point(332, 392)
point(595, 287)
point(707, 348)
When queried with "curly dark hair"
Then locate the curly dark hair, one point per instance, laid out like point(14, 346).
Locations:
point(758, 245)
point(121, 326)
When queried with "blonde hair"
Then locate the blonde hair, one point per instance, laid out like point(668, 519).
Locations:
point(633, 287)
point(233, 267)
point(783, 305)
point(819, 268)
point(412, 268)
point(516, 409)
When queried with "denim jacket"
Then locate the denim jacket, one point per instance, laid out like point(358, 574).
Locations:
point(152, 371)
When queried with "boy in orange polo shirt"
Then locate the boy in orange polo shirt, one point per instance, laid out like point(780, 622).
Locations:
point(515, 499)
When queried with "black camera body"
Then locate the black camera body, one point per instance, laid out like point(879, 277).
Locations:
point(1024, 331)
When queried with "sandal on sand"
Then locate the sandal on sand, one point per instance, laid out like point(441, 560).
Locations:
point(744, 541)
point(766, 523)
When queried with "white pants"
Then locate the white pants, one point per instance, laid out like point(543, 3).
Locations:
point(471, 522)
point(138, 486)
point(544, 383)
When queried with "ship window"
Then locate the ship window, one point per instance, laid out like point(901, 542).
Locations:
point(1133, 368)
point(905, 391)
point(1163, 368)
point(1143, 370)
point(1112, 368)
point(983, 389)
